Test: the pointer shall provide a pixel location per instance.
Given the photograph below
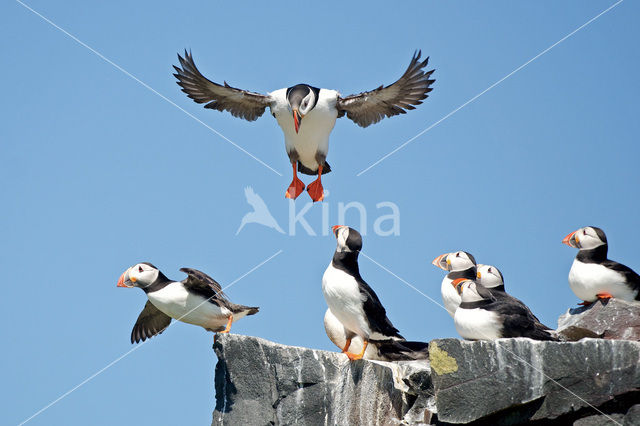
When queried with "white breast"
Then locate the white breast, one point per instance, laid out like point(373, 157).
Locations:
point(588, 279)
point(313, 135)
point(450, 296)
point(335, 331)
point(175, 301)
point(345, 300)
point(477, 324)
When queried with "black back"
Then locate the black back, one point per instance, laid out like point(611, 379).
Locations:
point(599, 255)
point(373, 309)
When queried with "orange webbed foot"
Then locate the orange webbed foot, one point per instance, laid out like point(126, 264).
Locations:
point(316, 191)
point(354, 357)
point(604, 296)
point(226, 329)
point(585, 303)
point(295, 189)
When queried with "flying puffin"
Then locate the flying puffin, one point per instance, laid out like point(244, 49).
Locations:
point(481, 317)
point(307, 114)
point(592, 275)
point(198, 299)
point(491, 278)
point(460, 264)
point(350, 298)
point(388, 350)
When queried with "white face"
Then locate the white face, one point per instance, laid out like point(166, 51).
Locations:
point(341, 237)
point(585, 238)
point(348, 239)
point(470, 292)
point(140, 275)
point(307, 103)
point(489, 276)
point(459, 261)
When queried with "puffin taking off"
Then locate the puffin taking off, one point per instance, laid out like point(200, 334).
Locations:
point(592, 275)
point(491, 278)
point(198, 299)
point(481, 317)
point(307, 143)
point(350, 299)
point(388, 350)
point(460, 264)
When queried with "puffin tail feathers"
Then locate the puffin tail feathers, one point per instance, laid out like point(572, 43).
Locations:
point(307, 171)
point(394, 350)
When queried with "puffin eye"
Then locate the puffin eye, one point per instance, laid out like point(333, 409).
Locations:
point(489, 270)
point(584, 232)
point(457, 254)
point(139, 268)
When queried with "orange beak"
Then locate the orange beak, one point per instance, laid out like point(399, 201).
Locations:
point(335, 229)
point(457, 282)
point(567, 239)
point(122, 279)
point(440, 261)
point(297, 119)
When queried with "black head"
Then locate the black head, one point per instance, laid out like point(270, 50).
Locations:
point(489, 276)
point(349, 240)
point(302, 99)
point(141, 275)
point(586, 238)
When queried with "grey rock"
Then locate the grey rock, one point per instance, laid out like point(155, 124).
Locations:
point(515, 381)
point(260, 382)
point(502, 382)
point(608, 319)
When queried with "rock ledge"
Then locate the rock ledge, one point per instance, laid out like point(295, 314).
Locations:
point(504, 382)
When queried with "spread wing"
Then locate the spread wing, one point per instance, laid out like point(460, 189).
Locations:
point(151, 321)
point(200, 283)
point(370, 107)
point(240, 103)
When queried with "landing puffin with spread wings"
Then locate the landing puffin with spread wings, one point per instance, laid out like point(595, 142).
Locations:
point(198, 299)
point(307, 143)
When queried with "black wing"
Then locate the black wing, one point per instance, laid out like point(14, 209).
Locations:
point(151, 321)
point(393, 350)
point(370, 107)
point(630, 276)
point(375, 312)
point(200, 283)
point(519, 321)
point(502, 295)
point(240, 103)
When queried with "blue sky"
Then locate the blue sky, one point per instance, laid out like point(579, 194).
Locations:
point(99, 173)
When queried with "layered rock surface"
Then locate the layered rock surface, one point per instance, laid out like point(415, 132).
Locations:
point(260, 382)
point(607, 319)
point(509, 381)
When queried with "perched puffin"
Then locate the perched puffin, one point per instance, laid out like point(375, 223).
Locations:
point(592, 275)
point(198, 300)
point(491, 278)
point(307, 114)
point(460, 264)
point(481, 317)
point(388, 350)
point(350, 298)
